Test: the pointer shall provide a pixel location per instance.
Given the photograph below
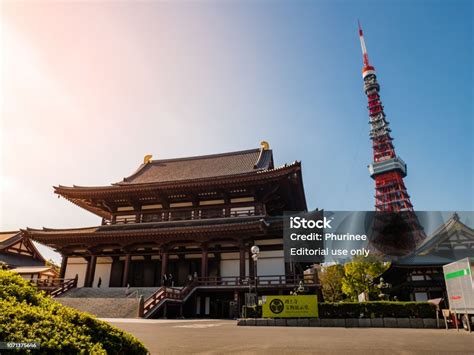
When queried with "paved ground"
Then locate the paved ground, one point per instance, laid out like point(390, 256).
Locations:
point(223, 336)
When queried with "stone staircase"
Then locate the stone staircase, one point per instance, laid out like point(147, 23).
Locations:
point(106, 302)
point(109, 292)
point(103, 307)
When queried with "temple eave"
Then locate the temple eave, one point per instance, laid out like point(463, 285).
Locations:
point(226, 180)
point(126, 234)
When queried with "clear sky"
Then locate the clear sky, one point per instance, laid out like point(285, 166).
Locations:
point(89, 88)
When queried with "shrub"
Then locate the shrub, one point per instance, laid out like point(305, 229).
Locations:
point(30, 316)
point(13, 285)
point(380, 309)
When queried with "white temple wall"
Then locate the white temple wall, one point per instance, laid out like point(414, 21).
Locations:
point(230, 268)
point(103, 269)
point(76, 265)
point(269, 263)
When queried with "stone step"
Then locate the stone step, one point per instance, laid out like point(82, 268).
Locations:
point(109, 292)
point(103, 307)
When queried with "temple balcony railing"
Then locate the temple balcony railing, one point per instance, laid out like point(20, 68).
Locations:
point(259, 281)
point(182, 214)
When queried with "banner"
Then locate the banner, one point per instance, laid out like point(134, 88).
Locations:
point(301, 306)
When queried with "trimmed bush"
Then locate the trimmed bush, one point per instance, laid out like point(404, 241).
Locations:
point(30, 316)
point(379, 309)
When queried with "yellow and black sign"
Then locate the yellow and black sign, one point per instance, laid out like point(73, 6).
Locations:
point(301, 306)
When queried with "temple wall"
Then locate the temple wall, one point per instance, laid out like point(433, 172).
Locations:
point(229, 268)
point(76, 266)
point(269, 263)
point(103, 269)
point(271, 266)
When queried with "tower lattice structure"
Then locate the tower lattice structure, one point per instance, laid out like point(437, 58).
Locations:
point(393, 234)
point(387, 169)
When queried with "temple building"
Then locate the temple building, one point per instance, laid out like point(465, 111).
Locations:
point(188, 224)
point(18, 251)
point(419, 276)
point(19, 254)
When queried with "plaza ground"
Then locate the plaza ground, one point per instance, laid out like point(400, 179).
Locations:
point(224, 336)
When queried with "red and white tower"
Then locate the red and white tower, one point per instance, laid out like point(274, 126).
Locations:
point(387, 169)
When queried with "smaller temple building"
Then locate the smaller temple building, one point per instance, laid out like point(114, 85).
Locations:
point(419, 276)
point(188, 224)
point(19, 254)
point(17, 251)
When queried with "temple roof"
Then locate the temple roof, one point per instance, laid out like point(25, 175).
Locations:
point(156, 180)
point(9, 238)
point(14, 246)
point(32, 269)
point(451, 241)
point(205, 166)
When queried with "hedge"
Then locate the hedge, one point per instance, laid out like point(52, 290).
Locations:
point(380, 309)
point(27, 315)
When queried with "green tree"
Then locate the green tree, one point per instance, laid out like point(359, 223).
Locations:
point(359, 276)
point(331, 281)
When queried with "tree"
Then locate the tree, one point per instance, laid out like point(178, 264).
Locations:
point(359, 276)
point(331, 281)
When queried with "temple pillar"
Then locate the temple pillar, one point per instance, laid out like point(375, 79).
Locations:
point(204, 261)
point(88, 268)
point(126, 270)
point(62, 272)
point(242, 261)
point(164, 264)
point(93, 263)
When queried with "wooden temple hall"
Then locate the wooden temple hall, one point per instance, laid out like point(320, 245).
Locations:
point(185, 227)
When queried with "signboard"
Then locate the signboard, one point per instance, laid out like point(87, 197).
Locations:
point(301, 306)
point(460, 284)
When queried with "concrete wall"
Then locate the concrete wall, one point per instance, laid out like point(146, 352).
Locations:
point(76, 266)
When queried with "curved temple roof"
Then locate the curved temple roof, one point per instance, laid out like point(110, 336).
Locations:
point(205, 166)
point(191, 175)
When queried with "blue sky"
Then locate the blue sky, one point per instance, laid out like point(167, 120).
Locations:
point(108, 82)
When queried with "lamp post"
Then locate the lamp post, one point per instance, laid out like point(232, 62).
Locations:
point(255, 250)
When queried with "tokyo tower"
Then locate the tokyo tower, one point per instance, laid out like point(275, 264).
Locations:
point(388, 171)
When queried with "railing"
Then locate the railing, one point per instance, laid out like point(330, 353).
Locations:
point(164, 294)
point(183, 214)
point(259, 281)
point(55, 287)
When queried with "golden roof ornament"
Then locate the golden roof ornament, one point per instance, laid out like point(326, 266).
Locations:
point(264, 145)
point(147, 158)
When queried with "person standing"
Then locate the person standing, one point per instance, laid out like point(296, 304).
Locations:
point(164, 281)
point(170, 280)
